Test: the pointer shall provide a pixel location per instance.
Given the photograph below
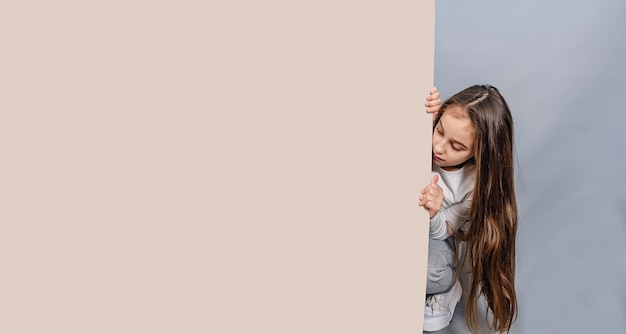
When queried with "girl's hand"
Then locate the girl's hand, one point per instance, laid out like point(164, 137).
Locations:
point(433, 102)
point(432, 197)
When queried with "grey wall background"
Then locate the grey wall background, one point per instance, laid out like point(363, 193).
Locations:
point(561, 66)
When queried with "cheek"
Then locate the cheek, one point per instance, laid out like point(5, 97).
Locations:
point(434, 144)
point(468, 155)
point(435, 138)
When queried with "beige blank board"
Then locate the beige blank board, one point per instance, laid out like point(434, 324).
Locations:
point(213, 167)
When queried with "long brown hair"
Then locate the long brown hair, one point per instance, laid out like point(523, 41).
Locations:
point(490, 236)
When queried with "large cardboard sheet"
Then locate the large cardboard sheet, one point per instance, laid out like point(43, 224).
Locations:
point(213, 167)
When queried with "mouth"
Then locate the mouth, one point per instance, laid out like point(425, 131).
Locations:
point(436, 157)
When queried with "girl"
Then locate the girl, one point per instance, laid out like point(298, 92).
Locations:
point(471, 198)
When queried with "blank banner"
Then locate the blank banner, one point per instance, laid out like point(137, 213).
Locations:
point(214, 167)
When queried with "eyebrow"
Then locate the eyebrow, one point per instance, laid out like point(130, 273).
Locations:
point(453, 140)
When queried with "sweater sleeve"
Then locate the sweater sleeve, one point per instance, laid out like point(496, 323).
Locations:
point(449, 219)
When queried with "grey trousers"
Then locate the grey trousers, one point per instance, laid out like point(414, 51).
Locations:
point(441, 264)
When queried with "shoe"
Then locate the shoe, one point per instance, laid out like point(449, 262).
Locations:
point(440, 308)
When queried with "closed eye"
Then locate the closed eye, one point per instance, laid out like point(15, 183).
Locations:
point(458, 146)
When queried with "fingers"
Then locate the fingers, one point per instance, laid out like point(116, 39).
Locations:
point(432, 187)
point(432, 195)
point(433, 94)
point(424, 198)
point(433, 101)
point(434, 180)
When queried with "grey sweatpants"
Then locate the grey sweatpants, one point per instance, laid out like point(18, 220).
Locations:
point(441, 263)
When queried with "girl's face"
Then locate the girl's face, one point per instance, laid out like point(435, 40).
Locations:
point(453, 139)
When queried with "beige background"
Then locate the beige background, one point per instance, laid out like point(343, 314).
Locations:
point(230, 167)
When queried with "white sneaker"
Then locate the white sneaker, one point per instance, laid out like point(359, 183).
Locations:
point(440, 308)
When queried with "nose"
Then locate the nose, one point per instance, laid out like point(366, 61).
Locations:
point(438, 147)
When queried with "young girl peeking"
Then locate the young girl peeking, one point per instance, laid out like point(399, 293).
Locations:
point(471, 199)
